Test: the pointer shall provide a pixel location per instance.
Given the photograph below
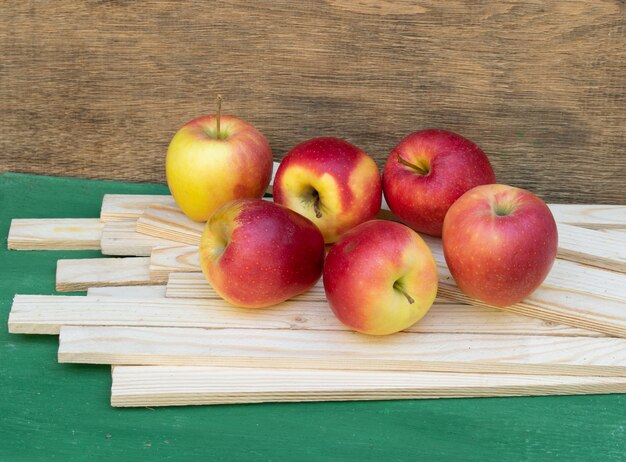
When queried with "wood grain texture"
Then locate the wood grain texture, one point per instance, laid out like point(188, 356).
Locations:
point(54, 234)
point(168, 222)
point(195, 385)
point(121, 238)
point(77, 275)
point(592, 247)
point(41, 314)
point(127, 291)
point(591, 216)
point(165, 260)
point(98, 89)
point(282, 348)
point(129, 207)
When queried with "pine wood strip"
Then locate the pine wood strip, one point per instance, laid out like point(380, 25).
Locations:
point(281, 348)
point(197, 385)
point(165, 260)
point(592, 216)
point(79, 275)
point(170, 223)
point(195, 285)
point(129, 207)
point(592, 247)
point(54, 234)
point(574, 294)
point(120, 238)
point(128, 291)
point(45, 314)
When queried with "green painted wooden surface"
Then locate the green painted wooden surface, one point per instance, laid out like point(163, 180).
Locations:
point(50, 411)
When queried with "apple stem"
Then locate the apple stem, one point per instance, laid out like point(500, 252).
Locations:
point(417, 168)
point(219, 114)
point(402, 291)
point(316, 206)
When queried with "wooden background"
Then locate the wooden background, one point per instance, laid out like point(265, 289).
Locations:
point(98, 88)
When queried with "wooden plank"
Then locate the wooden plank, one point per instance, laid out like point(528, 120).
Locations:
point(165, 260)
point(54, 234)
point(169, 223)
point(127, 291)
point(129, 207)
point(121, 238)
point(195, 285)
point(574, 294)
point(79, 275)
point(196, 385)
point(592, 247)
point(591, 216)
point(45, 314)
point(283, 348)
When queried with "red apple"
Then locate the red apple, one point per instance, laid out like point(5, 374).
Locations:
point(427, 172)
point(499, 243)
point(380, 278)
point(256, 253)
point(331, 182)
point(207, 167)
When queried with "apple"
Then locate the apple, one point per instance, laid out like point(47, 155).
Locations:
point(380, 277)
point(257, 253)
point(331, 182)
point(500, 243)
point(207, 166)
point(427, 172)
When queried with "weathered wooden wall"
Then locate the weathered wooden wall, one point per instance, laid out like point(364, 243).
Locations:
point(98, 88)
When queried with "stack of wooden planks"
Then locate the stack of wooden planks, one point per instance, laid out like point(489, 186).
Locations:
point(172, 340)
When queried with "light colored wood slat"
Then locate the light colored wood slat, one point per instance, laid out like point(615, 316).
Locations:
point(45, 314)
point(616, 233)
point(283, 348)
point(125, 207)
point(121, 238)
point(195, 285)
point(592, 247)
point(573, 294)
point(54, 234)
point(170, 223)
point(79, 275)
point(196, 385)
point(590, 216)
point(165, 260)
point(127, 291)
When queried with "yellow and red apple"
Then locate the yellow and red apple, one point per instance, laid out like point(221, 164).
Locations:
point(427, 171)
point(207, 168)
point(256, 253)
point(331, 182)
point(499, 243)
point(380, 278)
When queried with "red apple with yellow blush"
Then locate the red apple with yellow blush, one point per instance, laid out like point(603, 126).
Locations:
point(427, 171)
point(499, 243)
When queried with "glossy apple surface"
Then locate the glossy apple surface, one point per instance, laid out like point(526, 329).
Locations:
point(206, 170)
point(427, 172)
point(331, 182)
point(380, 278)
point(499, 243)
point(256, 253)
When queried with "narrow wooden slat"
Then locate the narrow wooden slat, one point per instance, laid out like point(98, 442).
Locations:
point(592, 247)
point(54, 234)
point(121, 238)
point(196, 385)
point(591, 216)
point(127, 291)
point(45, 314)
point(125, 207)
point(78, 275)
point(165, 260)
point(170, 223)
point(283, 348)
point(574, 294)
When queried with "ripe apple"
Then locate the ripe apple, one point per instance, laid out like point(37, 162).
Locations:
point(207, 167)
point(331, 182)
point(499, 243)
point(256, 253)
point(380, 277)
point(427, 172)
